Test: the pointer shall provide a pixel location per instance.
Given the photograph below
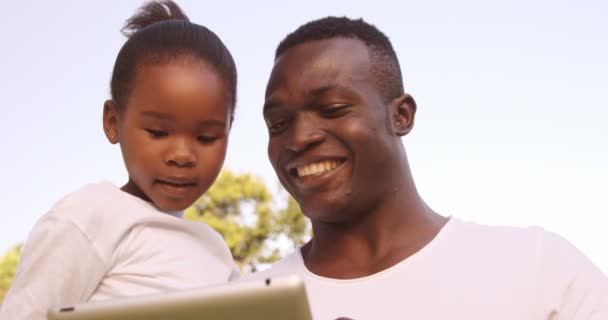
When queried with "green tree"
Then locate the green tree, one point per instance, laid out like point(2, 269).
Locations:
point(241, 209)
point(8, 266)
point(294, 225)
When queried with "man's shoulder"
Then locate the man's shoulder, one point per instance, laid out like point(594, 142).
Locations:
point(543, 249)
point(497, 236)
point(494, 247)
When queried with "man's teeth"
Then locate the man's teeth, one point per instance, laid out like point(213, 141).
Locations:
point(317, 167)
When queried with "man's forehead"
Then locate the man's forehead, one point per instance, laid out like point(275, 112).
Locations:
point(320, 63)
point(326, 51)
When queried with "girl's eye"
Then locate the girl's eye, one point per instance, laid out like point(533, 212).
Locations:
point(206, 139)
point(157, 133)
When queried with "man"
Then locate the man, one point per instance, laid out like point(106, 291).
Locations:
point(335, 110)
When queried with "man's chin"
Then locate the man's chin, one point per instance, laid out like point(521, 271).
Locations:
point(327, 212)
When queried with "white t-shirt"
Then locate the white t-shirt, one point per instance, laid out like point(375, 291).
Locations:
point(102, 243)
point(469, 271)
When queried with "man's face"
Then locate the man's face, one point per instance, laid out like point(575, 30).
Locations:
point(330, 141)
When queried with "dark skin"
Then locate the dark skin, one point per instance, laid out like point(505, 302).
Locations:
point(172, 130)
point(335, 144)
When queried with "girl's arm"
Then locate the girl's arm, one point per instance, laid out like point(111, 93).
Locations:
point(58, 266)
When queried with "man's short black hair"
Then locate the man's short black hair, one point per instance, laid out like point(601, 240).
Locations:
point(384, 62)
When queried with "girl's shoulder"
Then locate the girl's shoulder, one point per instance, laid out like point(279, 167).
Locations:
point(100, 212)
point(90, 197)
point(94, 208)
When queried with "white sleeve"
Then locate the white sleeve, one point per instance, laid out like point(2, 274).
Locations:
point(235, 274)
point(58, 265)
point(573, 288)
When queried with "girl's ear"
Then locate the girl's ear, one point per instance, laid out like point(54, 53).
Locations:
point(110, 121)
point(402, 111)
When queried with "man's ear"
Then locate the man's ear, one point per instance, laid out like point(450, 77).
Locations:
point(111, 121)
point(402, 111)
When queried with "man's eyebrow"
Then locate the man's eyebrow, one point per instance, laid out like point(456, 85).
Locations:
point(312, 93)
point(315, 92)
point(269, 105)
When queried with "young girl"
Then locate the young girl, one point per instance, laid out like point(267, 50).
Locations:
point(173, 97)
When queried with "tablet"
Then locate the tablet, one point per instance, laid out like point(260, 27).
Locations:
point(268, 299)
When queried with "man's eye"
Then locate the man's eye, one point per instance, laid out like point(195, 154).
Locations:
point(157, 133)
point(206, 139)
point(276, 126)
point(334, 110)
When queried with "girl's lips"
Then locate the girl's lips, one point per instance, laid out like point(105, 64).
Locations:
point(176, 189)
point(179, 182)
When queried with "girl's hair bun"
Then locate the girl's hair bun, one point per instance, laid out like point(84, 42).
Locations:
point(153, 12)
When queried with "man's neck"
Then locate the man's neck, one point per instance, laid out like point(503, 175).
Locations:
point(398, 227)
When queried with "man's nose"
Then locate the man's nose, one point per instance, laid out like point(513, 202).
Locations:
point(306, 133)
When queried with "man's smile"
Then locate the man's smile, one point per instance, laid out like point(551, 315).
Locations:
point(316, 168)
point(310, 174)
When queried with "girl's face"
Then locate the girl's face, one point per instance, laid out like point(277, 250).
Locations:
point(173, 131)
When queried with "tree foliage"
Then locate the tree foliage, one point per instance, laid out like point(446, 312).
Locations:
point(8, 266)
point(241, 209)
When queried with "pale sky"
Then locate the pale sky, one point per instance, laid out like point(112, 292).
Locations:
point(512, 102)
